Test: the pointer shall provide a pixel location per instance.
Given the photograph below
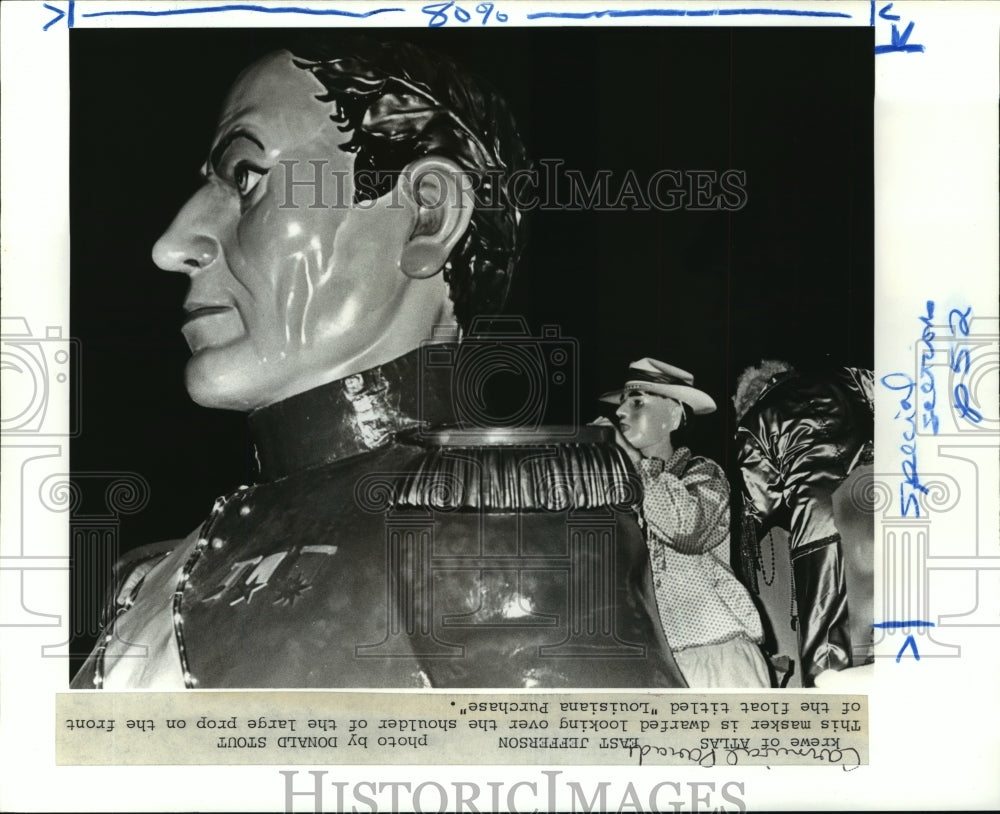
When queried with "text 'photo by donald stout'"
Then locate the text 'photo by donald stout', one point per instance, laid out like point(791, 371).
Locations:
point(509, 358)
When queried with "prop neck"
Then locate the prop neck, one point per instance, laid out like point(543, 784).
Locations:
point(351, 416)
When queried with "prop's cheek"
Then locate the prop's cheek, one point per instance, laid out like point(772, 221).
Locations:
point(356, 288)
point(279, 259)
point(318, 285)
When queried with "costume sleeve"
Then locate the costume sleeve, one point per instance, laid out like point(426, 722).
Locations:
point(689, 513)
point(762, 488)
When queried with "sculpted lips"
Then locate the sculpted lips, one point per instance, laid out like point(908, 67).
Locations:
point(193, 312)
point(208, 325)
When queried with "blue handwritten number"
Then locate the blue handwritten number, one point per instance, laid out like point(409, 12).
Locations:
point(438, 13)
point(438, 17)
point(486, 9)
point(963, 321)
point(966, 410)
point(960, 361)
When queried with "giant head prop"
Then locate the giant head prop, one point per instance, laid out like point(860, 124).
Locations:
point(355, 199)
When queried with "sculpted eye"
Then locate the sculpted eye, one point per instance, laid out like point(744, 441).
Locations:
point(246, 178)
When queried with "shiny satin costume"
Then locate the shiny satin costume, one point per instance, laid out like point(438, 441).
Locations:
point(797, 444)
point(379, 548)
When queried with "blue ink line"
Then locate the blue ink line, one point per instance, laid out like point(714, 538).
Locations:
point(910, 641)
point(71, 19)
point(242, 7)
point(899, 49)
point(904, 624)
point(664, 12)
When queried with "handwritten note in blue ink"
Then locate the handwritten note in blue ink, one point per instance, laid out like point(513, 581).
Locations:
point(931, 419)
point(959, 365)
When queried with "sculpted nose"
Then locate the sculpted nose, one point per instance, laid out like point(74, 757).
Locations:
point(188, 255)
point(620, 412)
point(188, 244)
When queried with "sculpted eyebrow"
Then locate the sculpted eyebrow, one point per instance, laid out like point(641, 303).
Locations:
point(220, 149)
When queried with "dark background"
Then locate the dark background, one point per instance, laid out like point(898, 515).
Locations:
point(789, 276)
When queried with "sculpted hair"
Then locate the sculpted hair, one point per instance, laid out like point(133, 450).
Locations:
point(401, 103)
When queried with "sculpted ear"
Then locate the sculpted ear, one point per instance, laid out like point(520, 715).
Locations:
point(442, 197)
point(676, 416)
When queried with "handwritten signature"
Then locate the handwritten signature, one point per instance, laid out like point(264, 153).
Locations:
point(848, 757)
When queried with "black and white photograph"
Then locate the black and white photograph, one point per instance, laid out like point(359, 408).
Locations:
point(504, 406)
point(493, 358)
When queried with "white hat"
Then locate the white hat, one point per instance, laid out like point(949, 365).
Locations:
point(654, 376)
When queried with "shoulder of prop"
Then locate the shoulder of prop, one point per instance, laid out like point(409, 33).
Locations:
point(549, 468)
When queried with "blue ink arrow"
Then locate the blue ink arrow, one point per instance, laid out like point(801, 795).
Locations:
point(910, 641)
point(912, 644)
point(885, 15)
point(903, 624)
point(59, 15)
point(69, 14)
point(900, 42)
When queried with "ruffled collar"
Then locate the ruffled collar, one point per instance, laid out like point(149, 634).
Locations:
point(675, 465)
